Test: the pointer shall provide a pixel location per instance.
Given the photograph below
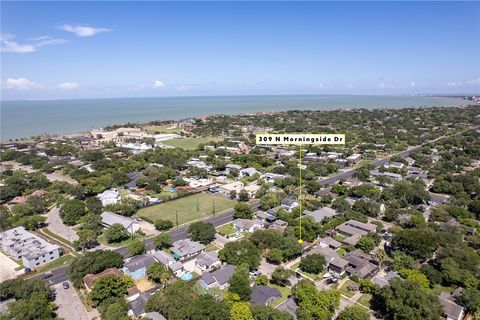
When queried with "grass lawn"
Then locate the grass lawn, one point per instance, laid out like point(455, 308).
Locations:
point(295, 266)
point(341, 252)
point(212, 247)
point(311, 275)
point(340, 238)
point(344, 289)
point(284, 291)
point(65, 259)
point(136, 236)
point(439, 288)
point(187, 208)
point(56, 237)
point(162, 129)
point(187, 143)
point(365, 299)
point(227, 230)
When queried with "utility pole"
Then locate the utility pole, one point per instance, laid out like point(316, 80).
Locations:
point(176, 217)
point(213, 206)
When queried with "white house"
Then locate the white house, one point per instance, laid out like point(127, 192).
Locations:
point(110, 218)
point(110, 196)
point(289, 204)
point(247, 225)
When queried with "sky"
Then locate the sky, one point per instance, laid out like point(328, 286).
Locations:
point(67, 50)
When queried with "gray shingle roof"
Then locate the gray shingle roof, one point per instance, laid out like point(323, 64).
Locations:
point(138, 262)
point(261, 294)
point(109, 218)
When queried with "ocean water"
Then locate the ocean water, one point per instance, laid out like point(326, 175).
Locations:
point(26, 118)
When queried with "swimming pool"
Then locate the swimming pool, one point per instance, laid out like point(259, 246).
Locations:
point(187, 276)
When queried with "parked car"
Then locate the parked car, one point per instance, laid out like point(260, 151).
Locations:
point(255, 273)
point(65, 285)
point(47, 275)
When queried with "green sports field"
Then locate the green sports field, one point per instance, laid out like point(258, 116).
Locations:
point(189, 208)
point(187, 143)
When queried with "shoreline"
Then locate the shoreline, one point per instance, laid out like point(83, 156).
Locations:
point(273, 111)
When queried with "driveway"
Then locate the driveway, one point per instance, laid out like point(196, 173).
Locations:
point(266, 268)
point(50, 176)
point(69, 304)
point(55, 224)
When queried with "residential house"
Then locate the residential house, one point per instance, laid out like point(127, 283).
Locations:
point(327, 252)
point(153, 316)
point(226, 189)
point(360, 264)
point(450, 309)
point(252, 189)
point(279, 225)
point(19, 243)
point(218, 278)
point(353, 230)
point(168, 261)
point(337, 266)
point(383, 280)
point(394, 165)
point(320, 214)
point(207, 261)
point(330, 242)
point(110, 196)
point(265, 217)
point(247, 172)
point(134, 177)
point(89, 279)
point(264, 295)
point(271, 177)
point(110, 218)
point(137, 266)
point(232, 168)
point(289, 204)
point(137, 305)
point(245, 225)
point(186, 249)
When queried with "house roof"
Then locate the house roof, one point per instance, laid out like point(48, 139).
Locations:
point(207, 259)
point(327, 252)
point(185, 247)
point(139, 262)
point(207, 278)
point(331, 242)
point(320, 214)
point(163, 257)
point(246, 224)
point(339, 262)
point(223, 275)
point(288, 202)
point(153, 316)
point(138, 305)
point(110, 218)
point(383, 281)
point(261, 294)
point(449, 307)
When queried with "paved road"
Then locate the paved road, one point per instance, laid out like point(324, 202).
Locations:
point(50, 176)
point(348, 174)
point(60, 275)
point(56, 225)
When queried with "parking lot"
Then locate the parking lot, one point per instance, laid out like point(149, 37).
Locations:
point(69, 304)
point(7, 271)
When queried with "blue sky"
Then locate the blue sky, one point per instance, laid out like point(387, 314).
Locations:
point(63, 50)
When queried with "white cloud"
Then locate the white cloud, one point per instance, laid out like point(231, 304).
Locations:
point(12, 46)
point(83, 31)
point(21, 84)
point(412, 84)
point(8, 45)
point(68, 86)
point(183, 87)
point(455, 84)
point(349, 86)
point(158, 84)
point(381, 85)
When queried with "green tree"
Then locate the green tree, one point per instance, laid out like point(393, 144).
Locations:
point(415, 275)
point(354, 312)
point(418, 242)
point(269, 200)
point(116, 233)
point(243, 196)
point(163, 241)
point(173, 302)
point(161, 224)
point(240, 311)
point(87, 239)
point(243, 211)
point(366, 243)
point(72, 211)
point(268, 313)
point(281, 275)
point(313, 263)
point(261, 280)
point(159, 273)
point(32, 308)
point(114, 309)
point(240, 252)
point(240, 283)
point(106, 287)
point(94, 205)
point(206, 307)
point(136, 247)
point(202, 232)
point(275, 255)
point(406, 299)
point(313, 304)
